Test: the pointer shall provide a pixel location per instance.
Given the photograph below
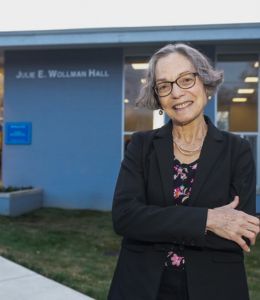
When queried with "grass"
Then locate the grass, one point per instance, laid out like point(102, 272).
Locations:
point(253, 271)
point(78, 248)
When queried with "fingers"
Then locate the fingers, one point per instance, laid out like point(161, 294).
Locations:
point(248, 234)
point(252, 241)
point(234, 224)
point(228, 222)
point(247, 230)
point(252, 227)
point(254, 220)
point(242, 243)
point(255, 229)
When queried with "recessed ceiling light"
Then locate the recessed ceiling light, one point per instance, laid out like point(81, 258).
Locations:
point(239, 99)
point(251, 79)
point(140, 66)
point(245, 91)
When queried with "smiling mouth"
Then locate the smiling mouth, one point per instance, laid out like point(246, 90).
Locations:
point(182, 105)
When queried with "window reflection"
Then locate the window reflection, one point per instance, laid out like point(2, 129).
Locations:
point(237, 107)
point(237, 97)
point(135, 118)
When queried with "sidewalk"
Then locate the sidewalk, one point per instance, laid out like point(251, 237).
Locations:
point(19, 283)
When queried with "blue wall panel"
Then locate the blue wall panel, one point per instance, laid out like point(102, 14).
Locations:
point(76, 124)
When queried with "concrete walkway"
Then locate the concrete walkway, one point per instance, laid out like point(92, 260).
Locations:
point(19, 283)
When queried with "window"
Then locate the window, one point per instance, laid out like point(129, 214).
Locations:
point(136, 118)
point(238, 99)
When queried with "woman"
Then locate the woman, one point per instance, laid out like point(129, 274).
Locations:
point(185, 194)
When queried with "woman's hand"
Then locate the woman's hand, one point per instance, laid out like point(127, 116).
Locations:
point(232, 224)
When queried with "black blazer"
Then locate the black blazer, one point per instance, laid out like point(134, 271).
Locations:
point(144, 214)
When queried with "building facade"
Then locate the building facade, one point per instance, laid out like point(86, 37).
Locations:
point(68, 102)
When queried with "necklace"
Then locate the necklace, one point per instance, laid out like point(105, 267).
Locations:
point(190, 149)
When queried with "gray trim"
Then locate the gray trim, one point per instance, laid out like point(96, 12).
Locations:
point(130, 35)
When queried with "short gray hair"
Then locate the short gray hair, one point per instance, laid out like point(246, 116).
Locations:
point(211, 78)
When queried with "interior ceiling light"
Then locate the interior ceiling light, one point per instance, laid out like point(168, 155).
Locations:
point(251, 79)
point(256, 64)
point(245, 91)
point(239, 99)
point(143, 80)
point(140, 66)
point(126, 101)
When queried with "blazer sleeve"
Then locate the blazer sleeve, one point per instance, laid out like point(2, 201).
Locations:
point(243, 184)
point(134, 218)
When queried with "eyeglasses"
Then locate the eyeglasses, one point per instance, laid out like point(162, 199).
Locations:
point(185, 82)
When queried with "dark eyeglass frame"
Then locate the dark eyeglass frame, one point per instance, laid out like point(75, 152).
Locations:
point(176, 81)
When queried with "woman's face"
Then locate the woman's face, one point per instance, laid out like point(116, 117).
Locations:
point(182, 105)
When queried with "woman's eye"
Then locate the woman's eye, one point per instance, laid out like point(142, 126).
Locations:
point(186, 79)
point(163, 87)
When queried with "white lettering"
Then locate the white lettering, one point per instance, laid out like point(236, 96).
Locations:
point(60, 74)
point(41, 74)
point(52, 73)
point(67, 74)
point(97, 73)
point(25, 75)
point(91, 73)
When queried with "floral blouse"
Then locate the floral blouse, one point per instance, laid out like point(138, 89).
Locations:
point(183, 177)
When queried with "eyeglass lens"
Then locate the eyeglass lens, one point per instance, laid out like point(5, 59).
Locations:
point(185, 81)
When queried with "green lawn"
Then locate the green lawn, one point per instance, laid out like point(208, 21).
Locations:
point(78, 248)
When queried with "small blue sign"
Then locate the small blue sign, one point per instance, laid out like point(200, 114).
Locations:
point(18, 133)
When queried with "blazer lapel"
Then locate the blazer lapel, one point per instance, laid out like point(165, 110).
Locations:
point(211, 149)
point(164, 151)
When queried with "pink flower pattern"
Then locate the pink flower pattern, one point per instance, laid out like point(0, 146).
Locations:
point(183, 179)
point(177, 260)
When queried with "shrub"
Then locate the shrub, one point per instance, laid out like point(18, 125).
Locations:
point(14, 188)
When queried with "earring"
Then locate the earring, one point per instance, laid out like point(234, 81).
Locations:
point(160, 111)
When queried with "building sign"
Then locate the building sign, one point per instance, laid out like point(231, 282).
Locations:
point(18, 133)
point(61, 74)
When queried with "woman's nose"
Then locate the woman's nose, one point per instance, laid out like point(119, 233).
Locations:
point(176, 91)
